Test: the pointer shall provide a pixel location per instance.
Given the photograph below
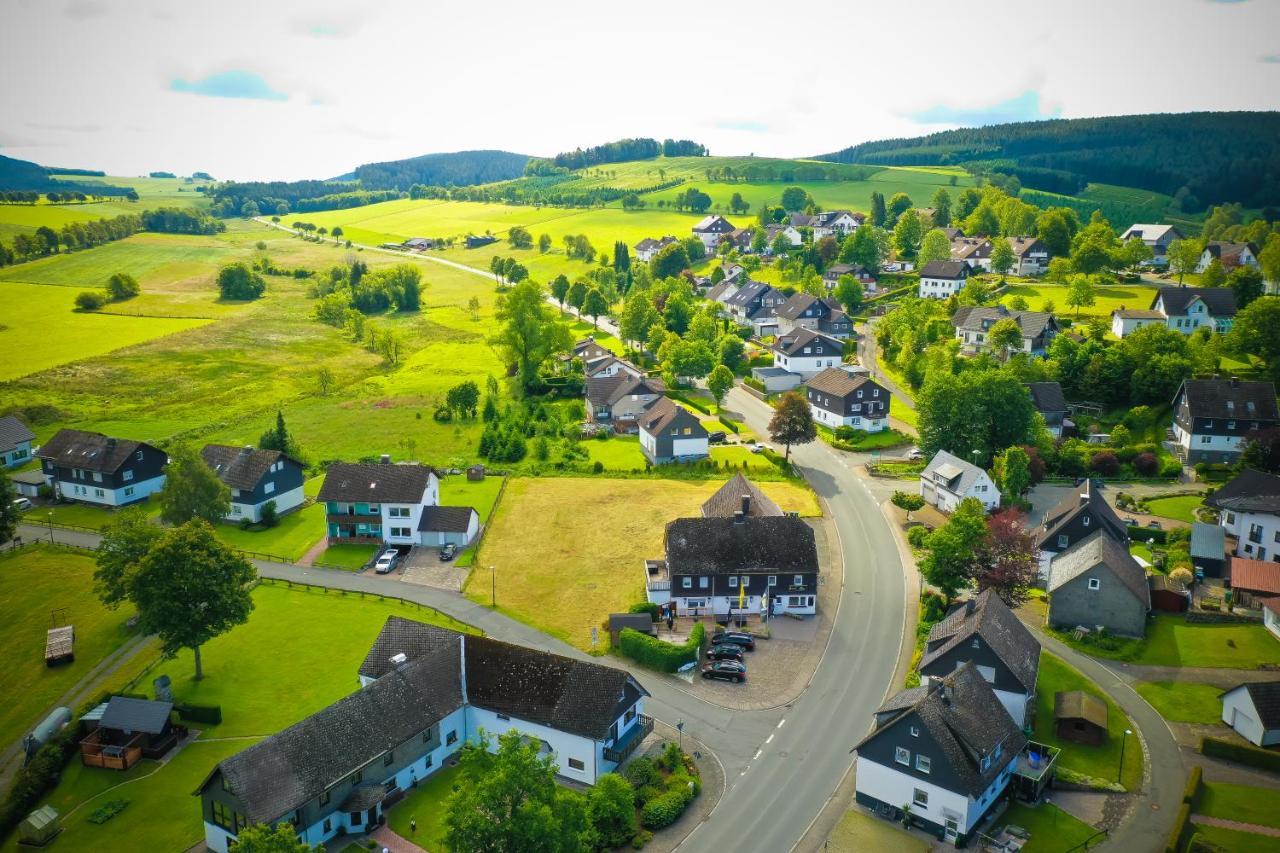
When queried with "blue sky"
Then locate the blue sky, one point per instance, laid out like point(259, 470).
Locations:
point(229, 84)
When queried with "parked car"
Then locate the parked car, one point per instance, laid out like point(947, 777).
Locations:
point(1132, 522)
point(386, 561)
point(22, 504)
point(915, 454)
point(1153, 524)
point(1097, 483)
point(716, 437)
point(725, 651)
point(757, 448)
point(737, 638)
point(448, 552)
point(725, 670)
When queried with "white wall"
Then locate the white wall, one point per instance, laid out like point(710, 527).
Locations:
point(563, 744)
point(807, 366)
point(898, 789)
point(87, 491)
point(430, 497)
point(939, 288)
point(1238, 523)
point(1239, 713)
point(285, 501)
point(1214, 443)
point(682, 447)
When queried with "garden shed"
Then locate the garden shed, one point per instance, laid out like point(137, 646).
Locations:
point(1168, 595)
point(40, 827)
point(1080, 717)
point(1208, 549)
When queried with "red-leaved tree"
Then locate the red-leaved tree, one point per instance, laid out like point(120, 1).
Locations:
point(1008, 563)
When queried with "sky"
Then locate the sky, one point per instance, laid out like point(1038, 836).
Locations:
point(287, 90)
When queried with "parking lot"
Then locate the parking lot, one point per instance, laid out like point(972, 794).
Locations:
point(422, 565)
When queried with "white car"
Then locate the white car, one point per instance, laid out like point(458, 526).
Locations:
point(757, 448)
point(386, 561)
point(915, 454)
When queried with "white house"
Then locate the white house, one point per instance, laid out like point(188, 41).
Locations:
point(1230, 255)
point(1249, 510)
point(835, 223)
point(941, 279)
point(839, 397)
point(941, 755)
point(792, 233)
point(256, 478)
point(648, 248)
point(974, 251)
point(15, 442)
point(1125, 321)
point(1253, 710)
point(806, 352)
point(1188, 308)
point(396, 504)
point(948, 479)
point(1211, 417)
point(97, 469)
point(710, 229)
point(1030, 255)
point(670, 433)
point(1156, 237)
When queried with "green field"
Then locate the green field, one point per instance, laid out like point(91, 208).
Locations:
point(1183, 701)
point(1236, 842)
point(153, 192)
point(1238, 802)
point(1173, 641)
point(350, 558)
point(1108, 298)
point(1052, 830)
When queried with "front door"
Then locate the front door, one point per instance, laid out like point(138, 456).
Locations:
point(371, 819)
point(952, 830)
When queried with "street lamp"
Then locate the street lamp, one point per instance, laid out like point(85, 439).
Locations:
point(493, 587)
point(50, 527)
point(1123, 738)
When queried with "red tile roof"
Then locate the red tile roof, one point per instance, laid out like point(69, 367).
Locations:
point(1255, 575)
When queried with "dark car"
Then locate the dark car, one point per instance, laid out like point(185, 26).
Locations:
point(726, 670)
point(448, 552)
point(1153, 524)
point(736, 638)
point(716, 437)
point(726, 651)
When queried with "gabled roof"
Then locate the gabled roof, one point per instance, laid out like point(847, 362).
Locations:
point(1265, 696)
point(1248, 491)
point(708, 546)
point(1154, 233)
point(1255, 575)
point(963, 248)
point(1076, 502)
point(1079, 705)
point(407, 637)
point(375, 482)
point(720, 289)
point(1032, 324)
point(747, 292)
point(1225, 250)
point(1047, 396)
point(125, 713)
point(798, 303)
point(13, 432)
point(1221, 301)
point(446, 519)
point(841, 383)
point(794, 342)
point(1100, 549)
point(945, 269)
point(1137, 314)
point(826, 217)
point(666, 413)
point(241, 467)
point(713, 225)
point(1208, 541)
point(855, 270)
point(1230, 399)
point(988, 617)
point(728, 499)
point(594, 366)
point(1024, 245)
point(91, 451)
point(952, 232)
point(959, 474)
point(966, 720)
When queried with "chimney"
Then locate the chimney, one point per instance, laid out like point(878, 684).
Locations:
point(398, 658)
point(1235, 381)
point(739, 518)
point(746, 504)
point(385, 459)
point(1084, 493)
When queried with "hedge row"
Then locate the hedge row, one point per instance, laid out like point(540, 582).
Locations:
point(729, 425)
point(211, 714)
point(1181, 832)
point(692, 403)
point(657, 654)
point(645, 607)
point(1252, 756)
point(752, 382)
point(1191, 793)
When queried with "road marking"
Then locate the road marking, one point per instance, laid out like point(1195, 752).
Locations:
point(780, 722)
point(768, 740)
point(757, 755)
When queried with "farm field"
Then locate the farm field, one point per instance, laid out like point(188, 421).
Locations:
point(34, 583)
point(1109, 298)
point(153, 192)
point(563, 570)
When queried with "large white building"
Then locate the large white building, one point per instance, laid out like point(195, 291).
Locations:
point(941, 279)
point(1249, 510)
point(396, 504)
point(1156, 237)
point(1211, 417)
point(806, 352)
point(948, 479)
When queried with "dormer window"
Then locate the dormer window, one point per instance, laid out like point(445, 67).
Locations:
point(977, 644)
point(915, 731)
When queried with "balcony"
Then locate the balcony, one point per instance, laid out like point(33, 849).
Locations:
point(1034, 770)
point(354, 517)
point(657, 578)
point(624, 746)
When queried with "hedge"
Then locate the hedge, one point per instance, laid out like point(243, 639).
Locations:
point(1191, 793)
point(657, 654)
point(689, 401)
point(38, 778)
point(211, 714)
point(1252, 756)
point(752, 382)
point(1181, 832)
point(728, 424)
point(1147, 534)
point(645, 607)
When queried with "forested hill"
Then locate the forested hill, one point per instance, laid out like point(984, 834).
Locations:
point(459, 168)
point(1199, 158)
point(25, 175)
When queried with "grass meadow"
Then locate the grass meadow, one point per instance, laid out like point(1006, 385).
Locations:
point(1109, 297)
point(153, 192)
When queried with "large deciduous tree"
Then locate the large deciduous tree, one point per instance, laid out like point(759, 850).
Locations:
point(191, 489)
point(954, 548)
point(1008, 557)
point(978, 410)
point(9, 515)
point(935, 246)
point(1256, 331)
point(719, 382)
point(792, 422)
point(282, 838)
point(126, 539)
point(530, 332)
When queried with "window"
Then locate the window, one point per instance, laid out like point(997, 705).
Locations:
point(401, 531)
point(1095, 583)
point(224, 817)
point(577, 764)
point(798, 580)
point(1085, 520)
point(703, 582)
point(1231, 518)
point(452, 738)
point(920, 798)
point(1062, 541)
point(687, 583)
point(902, 755)
point(1231, 425)
point(915, 731)
point(923, 763)
point(773, 579)
point(398, 511)
point(99, 493)
point(139, 456)
point(430, 761)
point(97, 476)
point(269, 488)
point(733, 581)
point(977, 644)
point(357, 777)
point(324, 798)
point(127, 476)
point(388, 758)
point(128, 492)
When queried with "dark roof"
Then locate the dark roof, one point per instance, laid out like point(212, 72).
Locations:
point(988, 617)
point(1073, 504)
point(708, 546)
point(728, 499)
point(643, 385)
point(1266, 700)
point(92, 451)
point(240, 467)
point(1030, 323)
point(747, 292)
point(127, 714)
point(1230, 399)
point(1221, 301)
point(945, 269)
point(407, 637)
point(798, 303)
point(363, 797)
point(1225, 249)
point(1208, 540)
point(839, 382)
point(1100, 549)
point(641, 622)
point(966, 720)
point(714, 224)
point(446, 519)
point(13, 432)
point(1023, 245)
point(1248, 491)
point(1047, 396)
point(665, 413)
point(375, 482)
point(1078, 705)
point(794, 342)
point(600, 388)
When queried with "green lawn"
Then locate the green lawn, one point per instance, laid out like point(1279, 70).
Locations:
point(290, 538)
point(858, 832)
point(619, 453)
point(426, 805)
point(1108, 298)
point(35, 585)
point(1052, 830)
point(1139, 549)
point(350, 557)
point(1183, 701)
point(1238, 802)
point(457, 490)
point(1101, 761)
point(1180, 508)
point(903, 412)
point(1173, 641)
point(1237, 842)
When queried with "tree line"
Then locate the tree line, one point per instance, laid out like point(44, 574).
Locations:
point(85, 235)
point(620, 151)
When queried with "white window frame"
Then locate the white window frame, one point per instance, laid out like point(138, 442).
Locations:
point(902, 755)
point(1095, 583)
point(686, 583)
point(923, 763)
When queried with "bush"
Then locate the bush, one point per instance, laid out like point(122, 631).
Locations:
point(917, 535)
point(1146, 464)
point(237, 281)
point(1191, 792)
point(1105, 463)
point(642, 838)
point(660, 655)
point(664, 810)
point(672, 759)
point(752, 382)
point(642, 773)
point(1170, 468)
point(106, 811)
point(1249, 755)
point(245, 524)
point(645, 607)
point(728, 424)
point(646, 794)
point(845, 433)
point(597, 467)
point(122, 286)
point(211, 714)
point(37, 778)
point(269, 517)
point(90, 300)
point(1182, 829)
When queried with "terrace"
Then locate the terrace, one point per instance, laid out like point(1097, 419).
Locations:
point(631, 738)
point(1034, 770)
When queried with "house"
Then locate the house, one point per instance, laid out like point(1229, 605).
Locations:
point(1030, 255)
point(1253, 581)
point(1208, 549)
point(746, 563)
point(941, 756)
point(1188, 308)
point(710, 230)
point(734, 273)
point(1051, 403)
point(397, 504)
point(1249, 510)
point(426, 692)
point(1168, 595)
point(952, 232)
point(860, 273)
point(806, 352)
point(610, 365)
point(740, 239)
point(1074, 518)
point(835, 223)
point(1230, 255)
point(983, 631)
point(1097, 583)
point(948, 479)
point(28, 483)
point(755, 304)
point(805, 311)
point(128, 731)
point(588, 350)
point(1156, 237)
point(775, 379)
point(1253, 710)
point(974, 252)
point(648, 248)
point(792, 232)
point(720, 292)
point(15, 442)
point(1080, 717)
point(1211, 417)
point(419, 244)
point(739, 495)
point(1125, 321)
point(256, 478)
point(670, 433)
point(621, 399)
point(475, 241)
point(642, 622)
point(941, 279)
point(98, 469)
point(973, 325)
point(839, 398)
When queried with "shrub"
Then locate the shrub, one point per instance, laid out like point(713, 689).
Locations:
point(660, 655)
point(641, 838)
point(211, 714)
point(1182, 829)
point(245, 524)
point(1241, 753)
point(1146, 464)
point(1192, 791)
point(728, 424)
point(237, 281)
point(664, 810)
point(671, 759)
point(1105, 463)
point(90, 300)
point(845, 433)
point(647, 793)
point(917, 535)
point(106, 811)
point(642, 773)
point(597, 467)
point(37, 778)
point(122, 286)
point(752, 382)
point(645, 607)
point(269, 517)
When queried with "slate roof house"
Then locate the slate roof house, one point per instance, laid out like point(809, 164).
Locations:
point(983, 631)
point(1212, 416)
point(15, 442)
point(838, 397)
point(1249, 510)
point(712, 563)
point(128, 730)
point(835, 223)
point(1156, 237)
point(1030, 255)
point(99, 469)
point(861, 274)
point(739, 494)
point(755, 303)
point(946, 750)
point(648, 248)
point(1096, 582)
point(1188, 308)
point(941, 279)
point(975, 252)
point(670, 433)
point(1253, 710)
point(1075, 517)
point(973, 326)
point(771, 233)
point(1051, 403)
point(948, 479)
point(806, 352)
point(805, 311)
point(620, 400)
point(1230, 255)
point(710, 229)
point(425, 692)
point(256, 477)
point(397, 504)
point(609, 365)
point(588, 350)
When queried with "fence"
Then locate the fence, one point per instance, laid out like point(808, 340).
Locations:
point(484, 528)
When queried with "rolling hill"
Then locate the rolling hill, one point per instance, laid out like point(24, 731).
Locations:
point(458, 168)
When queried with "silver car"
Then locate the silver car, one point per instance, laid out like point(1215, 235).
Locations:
point(386, 561)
